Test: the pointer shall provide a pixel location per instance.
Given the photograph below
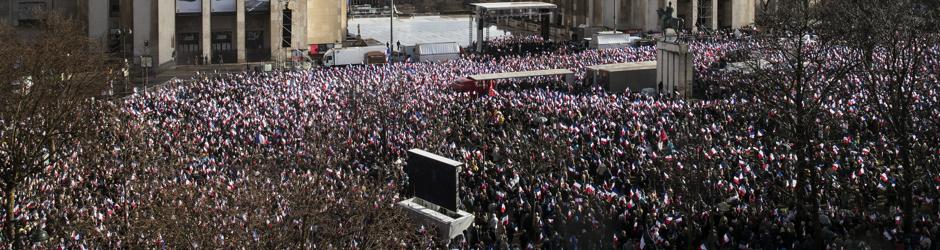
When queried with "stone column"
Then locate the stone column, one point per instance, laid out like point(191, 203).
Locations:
point(97, 20)
point(714, 19)
point(299, 25)
point(12, 17)
point(207, 30)
point(164, 28)
point(275, 34)
point(693, 16)
point(480, 24)
point(652, 20)
point(589, 16)
point(240, 30)
point(142, 26)
point(617, 14)
point(742, 12)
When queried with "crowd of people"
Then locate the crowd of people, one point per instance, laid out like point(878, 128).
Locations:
point(238, 158)
point(527, 45)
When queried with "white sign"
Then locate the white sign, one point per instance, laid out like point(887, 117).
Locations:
point(188, 6)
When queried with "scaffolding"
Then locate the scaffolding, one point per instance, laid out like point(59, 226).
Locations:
point(705, 14)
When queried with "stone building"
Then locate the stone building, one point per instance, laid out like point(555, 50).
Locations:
point(174, 32)
point(640, 15)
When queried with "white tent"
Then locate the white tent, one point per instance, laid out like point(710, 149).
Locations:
point(617, 40)
point(437, 52)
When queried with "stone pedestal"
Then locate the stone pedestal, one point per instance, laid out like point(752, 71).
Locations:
point(674, 69)
point(448, 225)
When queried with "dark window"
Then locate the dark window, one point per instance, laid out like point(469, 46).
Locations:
point(189, 42)
point(221, 41)
point(188, 49)
point(254, 39)
point(114, 8)
point(222, 47)
point(29, 13)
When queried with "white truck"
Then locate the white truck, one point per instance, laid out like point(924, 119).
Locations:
point(355, 55)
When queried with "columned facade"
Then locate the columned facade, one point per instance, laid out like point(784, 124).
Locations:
point(238, 31)
point(640, 15)
point(190, 32)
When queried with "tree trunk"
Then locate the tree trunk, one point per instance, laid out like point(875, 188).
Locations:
point(303, 234)
point(126, 207)
point(818, 241)
point(803, 175)
point(907, 172)
point(10, 227)
point(808, 201)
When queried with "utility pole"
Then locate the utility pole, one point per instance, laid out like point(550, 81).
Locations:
point(146, 62)
point(391, 24)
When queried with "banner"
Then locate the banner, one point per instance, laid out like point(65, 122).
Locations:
point(188, 6)
point(195, 6)
point(223, 5)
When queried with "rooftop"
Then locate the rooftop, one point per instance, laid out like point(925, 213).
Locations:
point(435, 157)
point(624, 66)
point(520, 74)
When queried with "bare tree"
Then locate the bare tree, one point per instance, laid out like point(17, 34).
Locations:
point(895, 37)
point(45, 79)
point(792, 79)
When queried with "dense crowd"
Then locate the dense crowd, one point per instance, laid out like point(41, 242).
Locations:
point(237, 156)
point(527, 45)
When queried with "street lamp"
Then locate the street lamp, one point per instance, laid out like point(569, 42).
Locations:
point(146, 62)
point(124, 32)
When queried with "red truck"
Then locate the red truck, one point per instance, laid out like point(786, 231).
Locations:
point(466, 84)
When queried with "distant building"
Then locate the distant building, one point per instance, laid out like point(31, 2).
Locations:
point(640, 15)
point(176, 32)
point(422, 6)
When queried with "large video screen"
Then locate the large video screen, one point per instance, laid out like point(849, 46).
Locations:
point(433, 177)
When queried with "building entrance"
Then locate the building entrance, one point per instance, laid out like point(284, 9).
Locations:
point(188, 50)
point(223, 49)
point(254, 46)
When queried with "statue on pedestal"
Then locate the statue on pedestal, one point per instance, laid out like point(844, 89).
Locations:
point(668, 21)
